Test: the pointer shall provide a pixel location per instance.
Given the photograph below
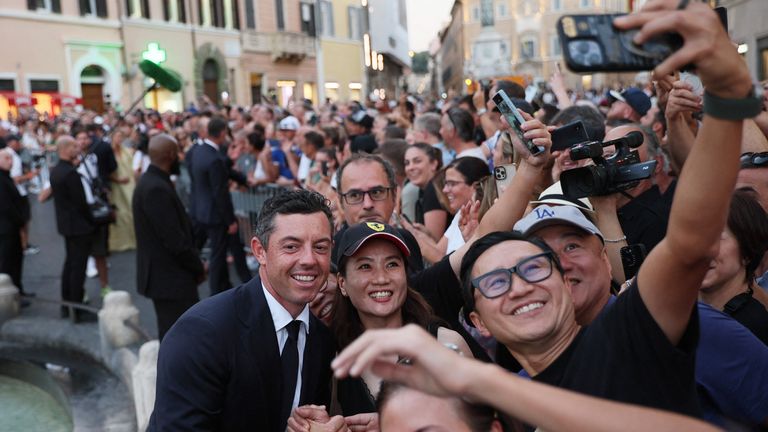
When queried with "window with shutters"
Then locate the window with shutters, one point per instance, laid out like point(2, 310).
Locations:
point(53, 6)
point(250, 15)
point(174, 11)
point(93, 8)
point(137, 8)
point(326, 18)
point(280, 15)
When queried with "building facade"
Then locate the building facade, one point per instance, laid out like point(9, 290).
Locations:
point(86, 52)
point(340, 58)
point(449, 61)
point(513, 39)
point(746, 25)
point(385, 47)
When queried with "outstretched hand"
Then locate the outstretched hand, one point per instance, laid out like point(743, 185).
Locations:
point(431, 367)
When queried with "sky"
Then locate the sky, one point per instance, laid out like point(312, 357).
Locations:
point(425, 19)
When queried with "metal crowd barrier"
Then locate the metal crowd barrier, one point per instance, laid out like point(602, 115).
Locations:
point(247, 205)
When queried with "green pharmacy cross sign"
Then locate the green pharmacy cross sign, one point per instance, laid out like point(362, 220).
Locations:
point(154, 53)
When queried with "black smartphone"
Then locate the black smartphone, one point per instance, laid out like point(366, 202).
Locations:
point(632, 257)
point(324, 168)
point(509, 111)
point(568, 135)
point(590, 43)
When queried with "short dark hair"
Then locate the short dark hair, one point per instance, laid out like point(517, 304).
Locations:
point(481, 246)
point(463, 123)
point(394, 132)
point(473, 169)
point(367, 158)
point(748, 222)
point(511, 88)
point(256, 140)
point(298, 201)
point(216, 126)
point(314, 139)
point(433, 153)
point(393, 151)
point(333, 134)
point(594, 122)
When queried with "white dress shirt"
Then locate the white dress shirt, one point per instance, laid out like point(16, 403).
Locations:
point(281, 318)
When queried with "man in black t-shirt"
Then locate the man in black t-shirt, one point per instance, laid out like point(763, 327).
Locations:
point(641, 349)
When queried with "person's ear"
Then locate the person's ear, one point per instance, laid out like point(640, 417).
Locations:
point(259, 251)
point(340, 282)
point(479, 324)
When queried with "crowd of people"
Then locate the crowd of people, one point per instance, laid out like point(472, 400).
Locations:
point(456, 276)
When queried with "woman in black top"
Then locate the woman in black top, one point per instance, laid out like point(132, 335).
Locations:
point(373, 293)
point(730, 282)
point(422, 162)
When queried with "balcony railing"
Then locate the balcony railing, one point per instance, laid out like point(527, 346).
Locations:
point(282, 46)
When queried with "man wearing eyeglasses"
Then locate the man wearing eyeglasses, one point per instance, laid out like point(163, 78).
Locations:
point(368, 193)
point(641, 350)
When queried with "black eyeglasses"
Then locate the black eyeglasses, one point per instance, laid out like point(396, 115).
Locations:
point(532, 269)
point(356, 196)
point(754, 160)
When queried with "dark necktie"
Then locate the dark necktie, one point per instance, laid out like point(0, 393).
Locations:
point(290, 361)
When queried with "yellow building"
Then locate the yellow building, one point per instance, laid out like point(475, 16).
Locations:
point(340, 59)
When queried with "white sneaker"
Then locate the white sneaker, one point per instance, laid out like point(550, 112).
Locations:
point(91, 270)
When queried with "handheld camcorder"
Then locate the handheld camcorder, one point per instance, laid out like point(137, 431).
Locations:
point(620, 171)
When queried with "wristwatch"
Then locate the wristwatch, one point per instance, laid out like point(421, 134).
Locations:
point(735, 109)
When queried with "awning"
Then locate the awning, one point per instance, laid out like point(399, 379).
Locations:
point(62, 99)
point(18, 99)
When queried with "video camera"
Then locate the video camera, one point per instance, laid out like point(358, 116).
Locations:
point(620, 171)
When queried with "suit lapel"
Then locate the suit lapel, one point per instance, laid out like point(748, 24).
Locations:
point(261, 340)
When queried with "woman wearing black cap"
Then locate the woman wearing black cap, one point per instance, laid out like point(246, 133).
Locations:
point(373, 293)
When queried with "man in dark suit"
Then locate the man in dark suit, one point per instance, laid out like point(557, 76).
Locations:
point(242, 360)
point(212, 207)
point(73, 220)
point(11, 221)
point(168, 266)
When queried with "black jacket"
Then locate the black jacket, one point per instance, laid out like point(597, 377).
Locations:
point(73, 215)
point(211, 201)
point(11, 216)
point(167, 264)
point(219, 366)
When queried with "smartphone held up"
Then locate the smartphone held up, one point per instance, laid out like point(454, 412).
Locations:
point(591, 43)
point(515, 120)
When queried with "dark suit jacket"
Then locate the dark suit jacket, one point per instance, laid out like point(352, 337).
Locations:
point(11, 216)
point(73, 216)
point(167, 264)
point(219, 366)
point(210, 187)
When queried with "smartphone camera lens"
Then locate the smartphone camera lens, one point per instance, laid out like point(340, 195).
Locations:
point(585, 52)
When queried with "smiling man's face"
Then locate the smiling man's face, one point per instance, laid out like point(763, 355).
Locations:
point(297, 260)
point(529, 313)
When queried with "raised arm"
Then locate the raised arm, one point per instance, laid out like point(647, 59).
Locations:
point(437, 370)
point(511, 205)
point(670, 278)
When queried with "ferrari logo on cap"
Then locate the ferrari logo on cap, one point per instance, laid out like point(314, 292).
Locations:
point(375, 226)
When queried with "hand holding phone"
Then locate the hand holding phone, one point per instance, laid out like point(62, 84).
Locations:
point(515, 120)
point(568, 135)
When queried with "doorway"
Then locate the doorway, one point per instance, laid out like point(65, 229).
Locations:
point(211, 80)
point(92, 88)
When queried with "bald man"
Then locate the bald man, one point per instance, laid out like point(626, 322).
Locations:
point(168, 266)
point(74, 222)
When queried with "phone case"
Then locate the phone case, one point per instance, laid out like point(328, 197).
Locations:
point(509, 110)
point(590, 43)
